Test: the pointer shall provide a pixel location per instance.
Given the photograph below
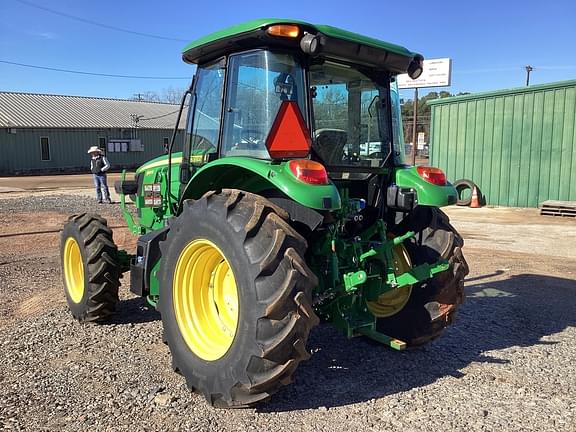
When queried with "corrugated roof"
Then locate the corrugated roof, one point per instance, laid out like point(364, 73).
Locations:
point(503, 92)
point(29, 110)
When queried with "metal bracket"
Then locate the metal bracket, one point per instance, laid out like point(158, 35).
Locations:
point(354, 278)
point(134, 228)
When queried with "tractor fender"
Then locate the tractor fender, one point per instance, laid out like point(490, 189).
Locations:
point(428, 194)
point(260, 177)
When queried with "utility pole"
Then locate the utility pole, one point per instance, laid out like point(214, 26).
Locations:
point(528, 70)
point(415, 120)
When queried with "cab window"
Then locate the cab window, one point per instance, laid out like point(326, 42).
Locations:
point(259, 81)
point(204, 126)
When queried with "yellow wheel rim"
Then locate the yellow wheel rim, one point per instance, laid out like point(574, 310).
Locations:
point(73, 270)
point(392, 302)
point(205, 300)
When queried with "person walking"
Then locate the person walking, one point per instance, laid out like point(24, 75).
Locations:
point(99, 165)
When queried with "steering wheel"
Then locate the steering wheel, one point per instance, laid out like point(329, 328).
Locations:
point(252, 137)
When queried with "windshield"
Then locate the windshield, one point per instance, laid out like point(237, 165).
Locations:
point(351, 123)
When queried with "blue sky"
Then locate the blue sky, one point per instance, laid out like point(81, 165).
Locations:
point(490, 42)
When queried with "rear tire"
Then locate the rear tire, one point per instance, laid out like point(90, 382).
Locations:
point(90, 268)
point(432, 305)
point(273, 286)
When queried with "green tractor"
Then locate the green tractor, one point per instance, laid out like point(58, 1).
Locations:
point(289, 202)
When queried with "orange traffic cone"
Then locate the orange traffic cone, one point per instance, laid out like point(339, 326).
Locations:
point(475, 201)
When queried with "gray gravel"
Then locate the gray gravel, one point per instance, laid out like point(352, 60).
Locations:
point(508, 363)
point(65, 204)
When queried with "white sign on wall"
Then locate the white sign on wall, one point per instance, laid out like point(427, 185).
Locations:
point(437, 73)
point(124, 145)
point(421, 140)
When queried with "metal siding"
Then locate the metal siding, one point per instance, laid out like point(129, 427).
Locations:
point(467, 166)
point(544, 179)
point(514, 174)
point(460, 139)
point(498, 120)
point(478, 154)
point(452, 136)
point(566, 143)
point(20, 152)
point(556, 144)
point(519, 145)
point(536, 145)
point(525, 150)
point(567, 172)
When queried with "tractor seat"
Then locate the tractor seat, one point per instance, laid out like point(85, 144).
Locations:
point(330, 144)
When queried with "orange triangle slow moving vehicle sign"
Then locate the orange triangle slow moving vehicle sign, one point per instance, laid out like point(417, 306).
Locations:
point(289, 137)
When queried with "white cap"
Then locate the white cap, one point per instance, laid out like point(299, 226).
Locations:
point(94, 149)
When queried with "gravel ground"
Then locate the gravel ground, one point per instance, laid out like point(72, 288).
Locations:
point(507, 364)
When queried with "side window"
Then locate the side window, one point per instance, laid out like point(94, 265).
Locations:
point(204, 126)
point(45, 148)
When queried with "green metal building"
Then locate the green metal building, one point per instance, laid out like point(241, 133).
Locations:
point(42, 133)
point(517, 145)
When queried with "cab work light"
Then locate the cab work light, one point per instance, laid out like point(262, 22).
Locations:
point(284, 30)
point(432, 175)
point(309, 171)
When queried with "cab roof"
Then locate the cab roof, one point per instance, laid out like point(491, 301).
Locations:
point(336, 43)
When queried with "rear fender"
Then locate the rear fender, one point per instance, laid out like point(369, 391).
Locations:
point(257, 176)
point(428, 194)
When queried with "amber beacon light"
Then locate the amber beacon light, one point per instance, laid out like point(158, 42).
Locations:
point(284, 30)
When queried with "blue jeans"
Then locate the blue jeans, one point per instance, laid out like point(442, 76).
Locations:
point(101, 187)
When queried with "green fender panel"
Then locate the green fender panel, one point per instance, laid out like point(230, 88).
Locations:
point(428, 194)
point(254, 175)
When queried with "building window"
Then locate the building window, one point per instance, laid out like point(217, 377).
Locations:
point(45, 148)
point(102, 143)
point(166, 144)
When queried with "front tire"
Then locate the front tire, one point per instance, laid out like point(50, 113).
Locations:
point(90, 268)
point(235, 297)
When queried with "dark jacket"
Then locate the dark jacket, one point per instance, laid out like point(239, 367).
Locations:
point(99, 165)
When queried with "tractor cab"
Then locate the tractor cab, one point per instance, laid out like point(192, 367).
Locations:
point(280, 90)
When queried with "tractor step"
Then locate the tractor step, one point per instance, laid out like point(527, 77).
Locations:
point(558, 208)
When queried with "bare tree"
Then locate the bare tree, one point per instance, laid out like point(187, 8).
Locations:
point(170, 94)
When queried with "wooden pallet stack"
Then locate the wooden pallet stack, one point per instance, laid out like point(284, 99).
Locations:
point(558, 208)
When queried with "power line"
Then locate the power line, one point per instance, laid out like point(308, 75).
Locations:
point(160, 116)
point(92, 73)
point(97, 24)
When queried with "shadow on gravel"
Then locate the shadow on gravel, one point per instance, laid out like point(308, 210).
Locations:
point(134, 311)
point(516, 312)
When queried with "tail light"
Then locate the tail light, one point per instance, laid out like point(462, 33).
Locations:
point(309, 171)
point(432, 175)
